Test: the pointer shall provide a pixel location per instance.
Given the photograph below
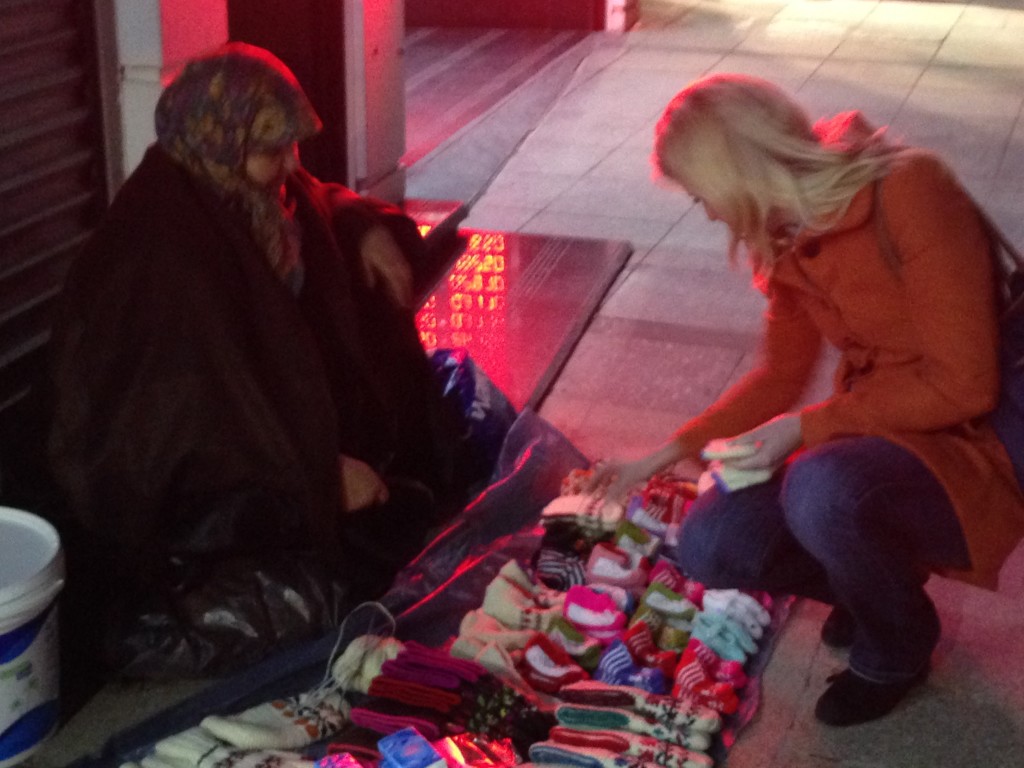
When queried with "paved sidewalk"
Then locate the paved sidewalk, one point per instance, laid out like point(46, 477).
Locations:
point(680, 325)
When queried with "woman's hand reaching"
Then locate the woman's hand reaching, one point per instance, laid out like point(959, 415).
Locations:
point(614, 479)
point(384, 264)
point(361, 486)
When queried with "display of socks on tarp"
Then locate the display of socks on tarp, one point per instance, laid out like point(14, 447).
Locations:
point(590, 647)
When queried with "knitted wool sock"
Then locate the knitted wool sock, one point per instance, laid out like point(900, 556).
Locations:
point(672, 605)
point(554, 753)
point(616, 666)
point(694, 592)
point(608, 719)
point(425, 657)
point(673, 638)
point(609, 564)
point(362, 661)
point(690, 672)
point(281, 724)
point(650, 679)
point(723, 635)
point(516, 609)
point(431, 667)
point(478, 629)
point(414, 694)
point(587, 512)
point(630, 742)
point(514, 573)
point(634, 745)
point(383, 716)
point(663, 710)
point(594, 614)
point(624, 601)
point(739, 606)
point(195, 747)
point(583, 650)
point(547, 667)
point(413, 673)
point(660, 607)
point(636, 540)
point(698, 663)
point(641, 646)
point(663, 572)
point(559, 570)
point(550, 752)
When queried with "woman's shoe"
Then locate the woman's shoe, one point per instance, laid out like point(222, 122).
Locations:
point(837, 631)
point(852, 699)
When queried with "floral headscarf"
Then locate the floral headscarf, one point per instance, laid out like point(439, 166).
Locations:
point(222, 107)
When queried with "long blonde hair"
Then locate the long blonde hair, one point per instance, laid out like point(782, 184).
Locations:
point(750, 151)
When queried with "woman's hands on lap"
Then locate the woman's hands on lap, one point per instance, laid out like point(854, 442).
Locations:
point(361, 486)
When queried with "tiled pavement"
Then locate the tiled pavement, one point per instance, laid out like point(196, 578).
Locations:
point(681, 324)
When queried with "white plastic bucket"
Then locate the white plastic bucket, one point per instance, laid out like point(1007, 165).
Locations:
point(31, 577)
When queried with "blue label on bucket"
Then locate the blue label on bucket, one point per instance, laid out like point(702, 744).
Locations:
point(29, 686)
point(17, 641)
point(28, 730)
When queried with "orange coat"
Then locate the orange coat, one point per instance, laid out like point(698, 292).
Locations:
point(918, 348)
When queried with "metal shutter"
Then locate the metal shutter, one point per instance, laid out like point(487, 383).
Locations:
point(52, 172)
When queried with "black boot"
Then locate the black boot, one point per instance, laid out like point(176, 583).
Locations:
point(852, 699)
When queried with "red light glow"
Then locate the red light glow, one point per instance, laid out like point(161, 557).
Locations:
point(470, 312)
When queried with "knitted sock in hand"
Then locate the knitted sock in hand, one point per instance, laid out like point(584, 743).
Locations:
point(281, 724)
point(637, 745)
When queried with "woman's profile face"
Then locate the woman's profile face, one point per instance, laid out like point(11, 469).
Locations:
point(271, 169)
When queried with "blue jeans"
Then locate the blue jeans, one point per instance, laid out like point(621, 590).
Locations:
point(857, 522)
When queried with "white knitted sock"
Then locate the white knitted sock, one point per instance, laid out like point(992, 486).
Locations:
point(362, 661)
point(289, 723)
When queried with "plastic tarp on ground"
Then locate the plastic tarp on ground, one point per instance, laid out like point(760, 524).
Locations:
point(428, 598)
